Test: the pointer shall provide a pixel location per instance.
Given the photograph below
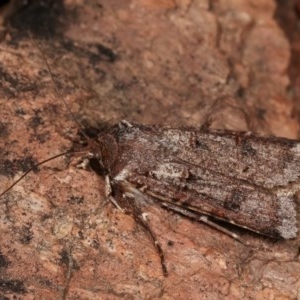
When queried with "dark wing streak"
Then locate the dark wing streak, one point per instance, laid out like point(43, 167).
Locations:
point(164, 201)
point(166, 191)
point(204, 219)
point(199, 215)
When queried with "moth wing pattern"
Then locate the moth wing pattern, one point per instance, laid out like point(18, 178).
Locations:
point(231, 176)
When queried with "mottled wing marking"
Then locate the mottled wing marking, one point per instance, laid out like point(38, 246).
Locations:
point(235, 177)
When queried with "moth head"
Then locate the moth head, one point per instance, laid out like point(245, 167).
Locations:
point(104, 153)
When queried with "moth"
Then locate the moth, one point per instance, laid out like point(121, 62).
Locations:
point(236, 177)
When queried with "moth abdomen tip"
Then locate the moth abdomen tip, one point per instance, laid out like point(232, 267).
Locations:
point(287, 215)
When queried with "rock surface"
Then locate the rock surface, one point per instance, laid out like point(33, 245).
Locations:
point(221, 63)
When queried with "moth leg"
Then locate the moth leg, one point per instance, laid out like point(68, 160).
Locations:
point(124, 123)
point(203, 219)
point(82, 163)
point(141, 218)
point(115, 203)
point(108, 196)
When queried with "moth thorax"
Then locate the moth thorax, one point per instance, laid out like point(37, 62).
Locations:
point(108, 150)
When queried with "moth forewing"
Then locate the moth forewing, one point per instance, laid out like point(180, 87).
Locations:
point(234, 177)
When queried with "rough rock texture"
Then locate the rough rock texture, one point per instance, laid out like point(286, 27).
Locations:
point(183, 62)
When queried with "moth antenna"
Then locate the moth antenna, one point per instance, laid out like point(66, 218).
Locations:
point(34, 167)
point(57, 92)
